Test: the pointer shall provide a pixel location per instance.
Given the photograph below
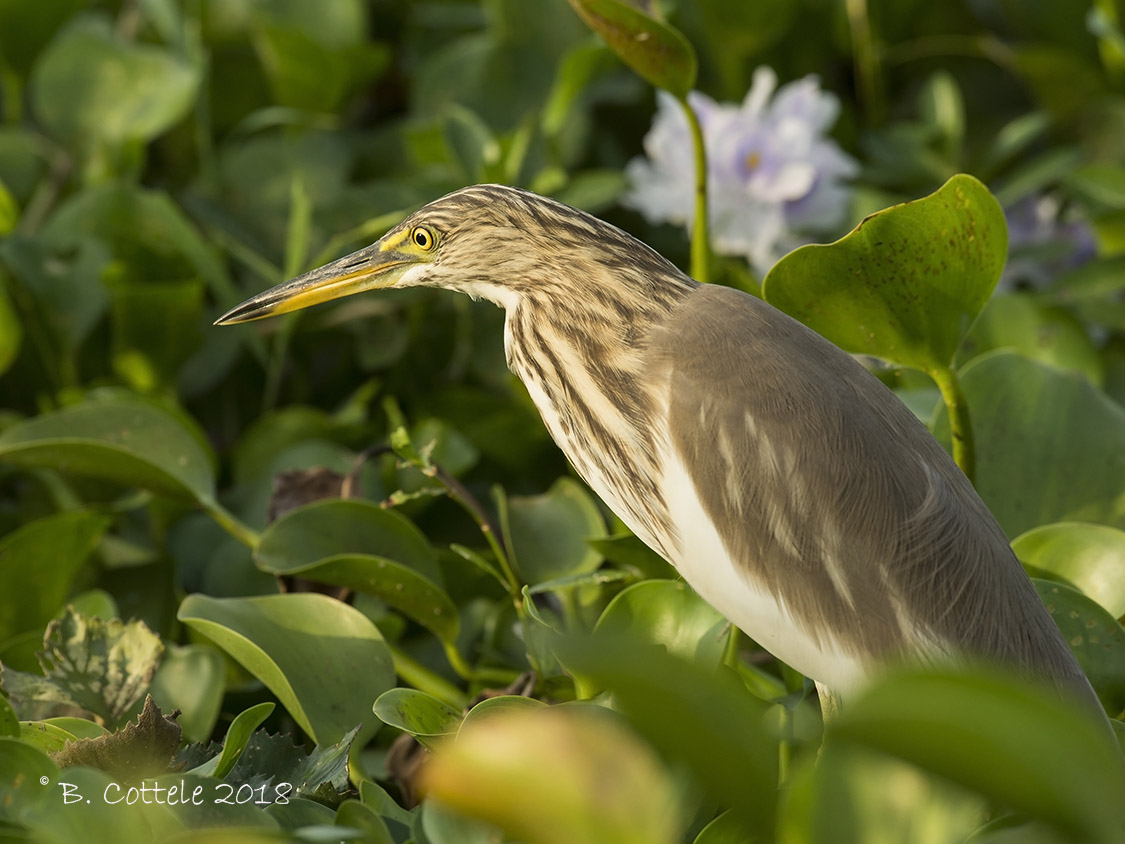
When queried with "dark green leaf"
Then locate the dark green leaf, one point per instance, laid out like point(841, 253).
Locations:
point(402, 588)
point(138, 750)
point(305, 649)
point(547, 533)
point(1050, 447)
point(342, 527)
point(1020, 746)
point(38, 564)
point(91, 86)
point(659, 53)
point(236, 739)
point(906, 284)
point(191, 678)
point(1096, 638)
point(122, 439)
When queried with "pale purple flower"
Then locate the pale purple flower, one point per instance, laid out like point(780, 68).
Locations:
point(774, 178)
point(1044, 241)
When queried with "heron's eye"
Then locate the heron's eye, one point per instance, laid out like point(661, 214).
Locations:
point(423, 238)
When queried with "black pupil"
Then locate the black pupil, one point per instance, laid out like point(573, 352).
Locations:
point(421, 238)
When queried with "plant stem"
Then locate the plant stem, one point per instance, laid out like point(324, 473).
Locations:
point(231, 524)
point(425, 680)
point(700, 237)
point(960, 426)
point(866, 60)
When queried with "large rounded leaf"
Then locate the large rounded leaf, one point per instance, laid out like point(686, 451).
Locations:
point(421, 715)
point(90, 85)
point(1089, 557)
point(325, 661)
point(659, 53)
point(123, 439)
point(588, 779)
point(547, 533)
point(1017, 745)
point(337, 526)
point(407, 591)
point(668, 613)
point(704, 719)
point(38, 564)
point(906, 284)
point(1095, 637)
point(1050, 446)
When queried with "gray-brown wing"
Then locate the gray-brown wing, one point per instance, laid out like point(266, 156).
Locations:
point(829, 492)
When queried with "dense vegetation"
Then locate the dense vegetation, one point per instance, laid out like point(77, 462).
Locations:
point(341, 541)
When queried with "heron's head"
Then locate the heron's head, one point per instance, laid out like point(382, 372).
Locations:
point(488, 241)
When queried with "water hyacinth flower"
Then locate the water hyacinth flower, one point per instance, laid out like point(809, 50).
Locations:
point(774, 177)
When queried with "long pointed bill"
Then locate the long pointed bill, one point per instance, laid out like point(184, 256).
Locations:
point(378, 265)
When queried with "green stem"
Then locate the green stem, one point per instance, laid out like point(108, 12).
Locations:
point(423, 679)
point(11, 95)
point(866, 59)
point(960, 426)
point(700, 237)
point(231, 524)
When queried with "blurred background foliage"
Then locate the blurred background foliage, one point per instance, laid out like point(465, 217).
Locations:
point(160, 161)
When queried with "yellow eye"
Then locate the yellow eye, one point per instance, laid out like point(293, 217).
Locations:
point(423, 238)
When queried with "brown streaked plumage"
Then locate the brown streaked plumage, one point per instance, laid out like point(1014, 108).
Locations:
point(785, 483)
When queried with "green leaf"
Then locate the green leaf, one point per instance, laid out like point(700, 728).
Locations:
point(9, 721)
point(907, 283)
point(9, 210)
point(630, 552)
point(122, 439)
point(668, 613)
point(25, 28)
point(343, 527)
point(92, 818)
point(236, 739)
point(191, 678)
point(78, 727)
point(1050, 446)
point(1091, 558)
point(547, 533)
point(354, 814)
point(412, 594)
point(1017, 745)
point(854, 794)
point(443, 825)
point(89, 85)
point(305, 648)
point(155, 329)
point(655, 50)
point(590, 779)
point(143, 748)
point(421, 715)
point(49, 738)
point(27, 777)
point(38, 565)
point(319, 775)
point(11, 331)
point(1094, 636)
point(1050, 335)
point(500, 706)
point(103, 667)
point(705, 720)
